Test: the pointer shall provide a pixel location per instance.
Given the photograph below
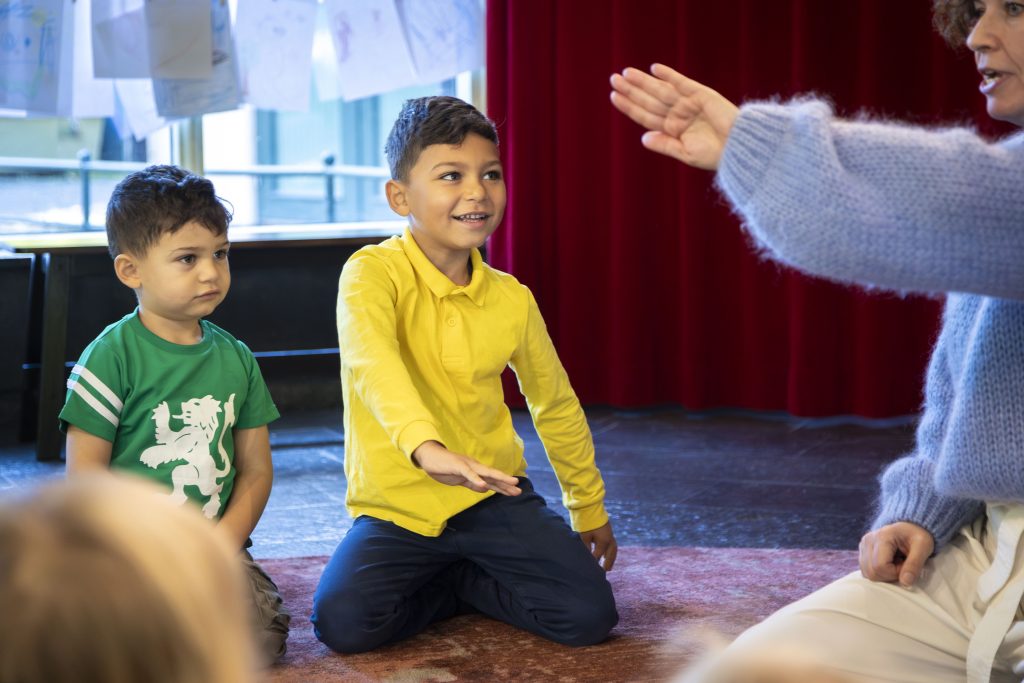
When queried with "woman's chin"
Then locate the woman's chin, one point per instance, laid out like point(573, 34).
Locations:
point(1006, 114)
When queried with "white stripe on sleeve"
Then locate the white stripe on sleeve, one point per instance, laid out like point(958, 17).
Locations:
point(102, 388)
point(93, 402)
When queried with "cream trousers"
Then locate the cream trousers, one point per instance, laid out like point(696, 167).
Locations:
point(961, 622)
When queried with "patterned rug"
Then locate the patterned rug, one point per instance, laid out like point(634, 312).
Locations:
point(661, 593)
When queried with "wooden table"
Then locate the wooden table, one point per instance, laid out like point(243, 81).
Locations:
point(54, 254)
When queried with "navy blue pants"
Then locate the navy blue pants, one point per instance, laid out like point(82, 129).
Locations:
point(510, 558)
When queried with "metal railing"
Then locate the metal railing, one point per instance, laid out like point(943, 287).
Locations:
point(86, 167)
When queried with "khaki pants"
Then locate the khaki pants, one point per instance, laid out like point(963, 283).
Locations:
point(961, 622)
point(270, 618)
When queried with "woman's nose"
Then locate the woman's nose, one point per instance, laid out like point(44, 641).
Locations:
point(981, 37)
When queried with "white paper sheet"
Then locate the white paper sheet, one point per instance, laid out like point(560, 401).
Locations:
point(275, 52)
point(66, 72)
point(445, 36)
point(120, 44)
point(135, 110)
point(180, 38)
point(325, 61)
point(90, 97)
point(370, 46)
point(35, 35)
point(181, 97)
point(151, 39)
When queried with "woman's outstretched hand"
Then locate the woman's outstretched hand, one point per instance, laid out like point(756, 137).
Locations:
point(684, 119)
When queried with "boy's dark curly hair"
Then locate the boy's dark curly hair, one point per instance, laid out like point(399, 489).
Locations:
point(435, 120)
point(954, 19)
point(160, 199)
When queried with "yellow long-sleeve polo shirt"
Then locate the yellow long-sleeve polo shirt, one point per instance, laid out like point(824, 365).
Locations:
point(421, 359)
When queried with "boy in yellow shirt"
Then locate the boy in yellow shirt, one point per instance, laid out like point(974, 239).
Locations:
point(446, 521)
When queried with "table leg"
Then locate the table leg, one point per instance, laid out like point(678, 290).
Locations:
point(52, 376)
point(33, 342)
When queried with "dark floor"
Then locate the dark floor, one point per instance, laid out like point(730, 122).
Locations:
point(672, 478)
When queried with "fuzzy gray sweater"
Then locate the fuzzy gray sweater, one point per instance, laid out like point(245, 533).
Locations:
point(914, 210)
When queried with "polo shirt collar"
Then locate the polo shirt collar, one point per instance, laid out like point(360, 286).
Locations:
point(437, 281)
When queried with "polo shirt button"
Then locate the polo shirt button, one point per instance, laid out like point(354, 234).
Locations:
point(451, 322)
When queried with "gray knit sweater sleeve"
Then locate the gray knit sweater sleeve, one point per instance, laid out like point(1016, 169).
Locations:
point(910, 209)
point(908, 492)
point(882, 205)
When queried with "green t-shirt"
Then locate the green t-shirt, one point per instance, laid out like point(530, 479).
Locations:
point(169, 409)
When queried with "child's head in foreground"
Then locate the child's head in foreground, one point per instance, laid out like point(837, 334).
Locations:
point(167, 233)
point(782, 662)
point(446, 175)
point(106, 579)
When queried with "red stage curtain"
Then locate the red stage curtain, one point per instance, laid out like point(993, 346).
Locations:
point(650, 290)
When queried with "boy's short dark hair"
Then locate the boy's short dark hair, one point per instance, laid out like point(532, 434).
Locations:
point(435, 120)
point(159, 199)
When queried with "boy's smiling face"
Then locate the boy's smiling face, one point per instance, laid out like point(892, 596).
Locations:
point(454, 197)
point(183, 277)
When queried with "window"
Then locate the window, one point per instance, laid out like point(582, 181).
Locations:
point(335, 133)
point(324, 165)
point(42, 186)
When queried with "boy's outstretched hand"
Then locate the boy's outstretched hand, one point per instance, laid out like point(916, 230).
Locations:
point(602, 544)
point(455, 469)
point(684, 119)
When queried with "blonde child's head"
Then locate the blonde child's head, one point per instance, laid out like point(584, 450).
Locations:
point(713, 662)
point(106, 580)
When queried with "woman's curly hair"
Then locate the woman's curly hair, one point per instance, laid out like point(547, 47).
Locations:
point(954, 19)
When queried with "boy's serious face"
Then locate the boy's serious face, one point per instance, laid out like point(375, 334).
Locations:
point(183, 277)
point(455, 198)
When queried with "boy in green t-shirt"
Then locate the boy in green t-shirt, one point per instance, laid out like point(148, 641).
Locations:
point(169, 396)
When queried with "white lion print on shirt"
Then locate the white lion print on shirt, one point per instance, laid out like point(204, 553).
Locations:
point(193, 443)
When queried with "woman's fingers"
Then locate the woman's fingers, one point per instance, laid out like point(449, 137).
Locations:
point(680, 83)
point(659, 95)
point(665, 144)
point(636, 104)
